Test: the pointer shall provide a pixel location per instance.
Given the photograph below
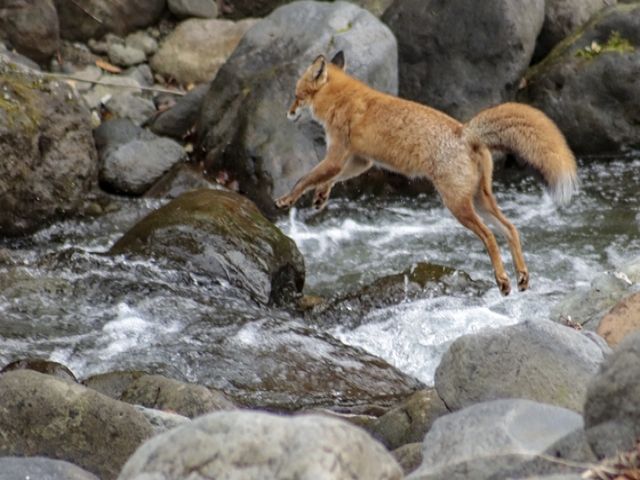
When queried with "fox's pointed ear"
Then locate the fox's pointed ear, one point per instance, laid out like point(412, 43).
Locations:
point(319, 67)
point(338, 60)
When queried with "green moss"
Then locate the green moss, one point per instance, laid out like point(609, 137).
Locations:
point(18, 99)
point(615, 43)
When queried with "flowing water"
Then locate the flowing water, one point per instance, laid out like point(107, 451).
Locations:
point(61, 298)
point(565, 248)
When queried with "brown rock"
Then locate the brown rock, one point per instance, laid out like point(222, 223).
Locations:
point(623, 319)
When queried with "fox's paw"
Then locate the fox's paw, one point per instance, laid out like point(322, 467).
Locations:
point(286, 201)
point(503, 284)
point(523, 281)
point(320, 199)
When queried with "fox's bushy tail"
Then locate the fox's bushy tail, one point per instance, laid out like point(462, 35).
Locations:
point(531, 135)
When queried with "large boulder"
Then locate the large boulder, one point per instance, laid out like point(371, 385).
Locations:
point(47, 156)
point(537, 360)
point(561, 18)
point(94, 18)
point(612, 407)
point(31, 27)
point(251, 445)
point(483, 439)
point(42, 415)
point(589, 83)
point(243, 128)
point(222, 235)
point(460, 56)
point(197, 48)
point(622, 320)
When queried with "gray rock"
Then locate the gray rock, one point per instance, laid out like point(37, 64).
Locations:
point(409, 457)
point(125, 56)
point(130, 106)
point(537, 360)
point(377, 7)
point(461, 56)
point(193, 8)
point(48, 161)
point(196, 49)
point(221, 235)
point(181, 179)
point(187, 399)
point(563, 17)
point(41, 468)
point(242, 126)
point(589, 84)
point(133, 161)
point(409, 422)
point(31, 27)
point(42, 415)
point(609, 438)
point(181, 117)
point(482, 439)
point(162, 421)
point(587, 306)
point(142, 74)
point(251, 445)
point(109, 86)
point(95, 18)
point(142, 41)
point(614, 394)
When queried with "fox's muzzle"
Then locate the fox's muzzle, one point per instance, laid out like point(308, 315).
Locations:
point(294, 111)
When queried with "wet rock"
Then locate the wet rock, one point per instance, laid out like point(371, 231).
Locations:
point(187, 399)
point(31, 27)
point(181, 117)
point(20, 468)
point(42, 415)
point(95, 18)
point(612, 398)
point(622, 320)
point(222, 235)
point(540, 361)
point(481, 440)
point(196, 49)
point(193, 8)
point(11, 57)
point(112, 384)
point(133, 159)
point(131, 107)
point(180, 179)
point(409, 422)
point(242, 126)
point(254, 445)
point(252, 8)
point(461, 56)
point(587, 306)
point(125, 55)
point(49, 160)
point(409, 457)
point(588, 83)
point(563, 17)
point(43, 366)
point(422, 280)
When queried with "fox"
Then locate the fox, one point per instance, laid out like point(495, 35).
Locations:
point(365, 127)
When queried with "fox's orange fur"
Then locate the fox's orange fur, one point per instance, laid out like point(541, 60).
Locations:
point(366, 127)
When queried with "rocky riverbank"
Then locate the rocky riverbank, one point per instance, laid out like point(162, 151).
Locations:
point(178, 107)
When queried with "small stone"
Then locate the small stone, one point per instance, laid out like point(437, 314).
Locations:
point(193, 8)
point(125, 56)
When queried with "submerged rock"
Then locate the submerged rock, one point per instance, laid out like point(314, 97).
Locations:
point(255, 446)
point(42, 415)
point(537, 360)
point(222, 235)
point(589, 83)
point(48, 162)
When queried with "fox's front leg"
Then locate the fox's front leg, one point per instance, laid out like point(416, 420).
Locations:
point(354, 167)
point(324, 172)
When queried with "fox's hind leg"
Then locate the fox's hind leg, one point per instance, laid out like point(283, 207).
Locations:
point(488, 208)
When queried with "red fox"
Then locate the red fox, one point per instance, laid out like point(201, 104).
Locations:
point(365, 127)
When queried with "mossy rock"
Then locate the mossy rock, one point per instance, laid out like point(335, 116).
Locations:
point(221, 235)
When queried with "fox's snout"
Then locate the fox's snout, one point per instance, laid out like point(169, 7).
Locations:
point(294, 111)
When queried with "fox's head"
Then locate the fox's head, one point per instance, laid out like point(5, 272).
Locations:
point(311, 81)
